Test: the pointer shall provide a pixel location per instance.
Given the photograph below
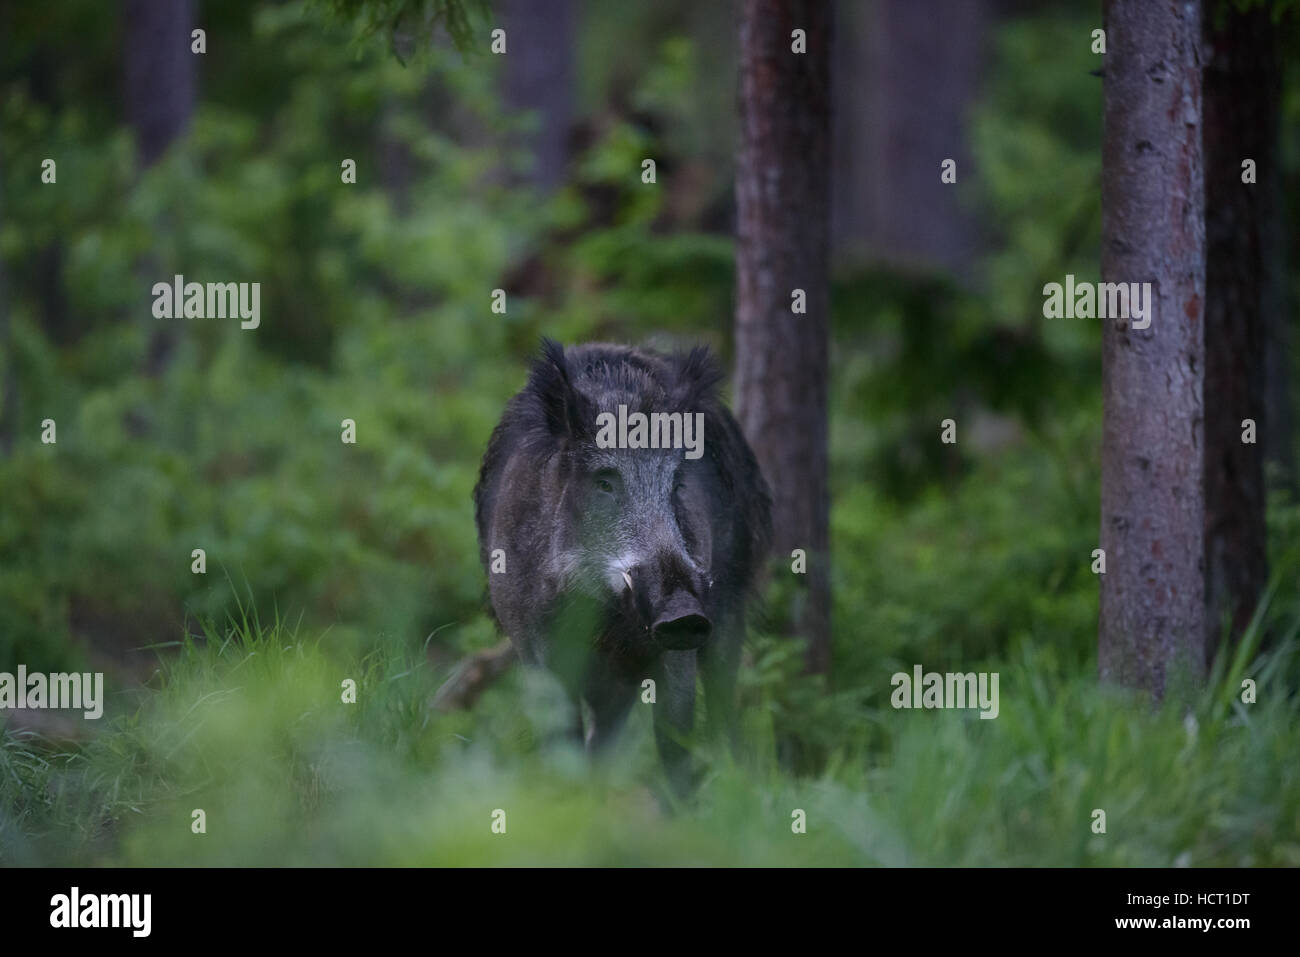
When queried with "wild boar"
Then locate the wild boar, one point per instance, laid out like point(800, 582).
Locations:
point(617, 554)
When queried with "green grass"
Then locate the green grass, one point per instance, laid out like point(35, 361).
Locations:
point(248, 725)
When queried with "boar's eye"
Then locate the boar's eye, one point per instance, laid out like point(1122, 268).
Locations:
point(606, 481)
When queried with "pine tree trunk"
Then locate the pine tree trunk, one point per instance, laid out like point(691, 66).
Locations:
point(159, 72)
point(1242, 87)
point(9, 413)
point(783, 206)
point(539, 78)
point(1152, 622)
point(907, 74)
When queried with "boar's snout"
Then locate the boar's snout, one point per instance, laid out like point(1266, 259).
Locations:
point(664, 595)
point(681, 623)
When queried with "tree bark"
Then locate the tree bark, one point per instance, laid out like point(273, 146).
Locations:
point(159, 72)
point(159, 79)
point(1242, 90)
point(539, 78)
point(782, 212)
point(1279, 419)
point(1152, 621)
point(907, 74)
point(9, 412)
point(61, 324)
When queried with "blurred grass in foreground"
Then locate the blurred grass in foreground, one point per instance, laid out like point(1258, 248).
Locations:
point(249, 725)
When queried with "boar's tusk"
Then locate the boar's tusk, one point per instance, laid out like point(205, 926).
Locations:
point(627, 578)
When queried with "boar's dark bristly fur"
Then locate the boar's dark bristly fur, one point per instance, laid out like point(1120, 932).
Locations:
point(609, 565)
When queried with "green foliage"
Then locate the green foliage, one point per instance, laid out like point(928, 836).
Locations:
point(1037, 146)
point(235, 447)
point(416, 23)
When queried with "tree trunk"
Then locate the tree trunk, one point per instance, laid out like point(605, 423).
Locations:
point(1279, 429)
point(1242, 88)
point(539, 53)
point(1152, 623)
point(63, 326)
point(9, 413)
point(782, 211)
point(159, 79)
point(907, 74)
point(159, 72)
point(854, 131)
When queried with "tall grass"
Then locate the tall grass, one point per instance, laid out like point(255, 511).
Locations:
point(247, 724)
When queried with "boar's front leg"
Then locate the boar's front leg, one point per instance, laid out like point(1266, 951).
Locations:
point(674, 715)
point(608, 698)
point(719, 663)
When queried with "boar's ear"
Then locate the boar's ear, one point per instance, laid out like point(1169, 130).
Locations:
point(698, 375)
point(564, 408)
